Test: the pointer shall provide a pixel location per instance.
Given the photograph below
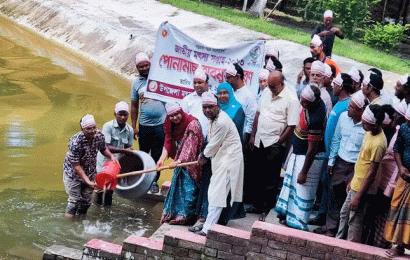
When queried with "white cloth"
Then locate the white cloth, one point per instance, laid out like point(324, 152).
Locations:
point(140, 57)
point(87, 121)
point(386, 97)
point(248, 101)
point(325, 96)
point(354, 74)
point(172, 107)
point(192, 104)
point(200, 73)
point(275, 114)
point(328, 14)
point(121, 106)
point(209, 99)
point(263, 74)
point(316, 40)
point(212, 218)
point(225, 150)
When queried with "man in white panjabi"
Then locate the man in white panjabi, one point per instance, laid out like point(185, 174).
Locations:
point(225, 150)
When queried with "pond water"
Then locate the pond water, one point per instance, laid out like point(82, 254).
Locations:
point(44, 91)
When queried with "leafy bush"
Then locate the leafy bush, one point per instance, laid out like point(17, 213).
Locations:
point(385, 37)
point(350, 14)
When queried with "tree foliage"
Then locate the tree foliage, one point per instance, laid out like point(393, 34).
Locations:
point(385, 37)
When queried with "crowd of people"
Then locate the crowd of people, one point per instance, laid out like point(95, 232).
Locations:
point(334, 140)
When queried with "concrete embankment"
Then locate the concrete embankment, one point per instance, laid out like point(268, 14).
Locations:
point(101, 31)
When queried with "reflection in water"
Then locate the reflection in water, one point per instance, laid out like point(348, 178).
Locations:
point(42, 99)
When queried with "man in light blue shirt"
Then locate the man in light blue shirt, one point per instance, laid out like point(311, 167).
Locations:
point(118, 136)
point(344, 151)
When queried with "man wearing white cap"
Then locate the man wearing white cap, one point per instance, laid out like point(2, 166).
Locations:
point(364, 184)
point(150, 131)
point(80, 166)
point(317, 76)
point(402, 88)
point(192, 103)
point(263, 82)
point(317, 51)
point(225, 151)
point(357, 78)
point(344, 151)
point(234, 76)
point(327, 31)
point(118, 138)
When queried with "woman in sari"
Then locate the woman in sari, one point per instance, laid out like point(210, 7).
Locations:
point(183, 143)
point(303, 171)
point(397, 228)
point(228, 103)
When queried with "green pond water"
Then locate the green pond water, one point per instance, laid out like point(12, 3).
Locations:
point(44, 91)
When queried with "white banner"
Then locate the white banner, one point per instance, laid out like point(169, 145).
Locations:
point(177, 56)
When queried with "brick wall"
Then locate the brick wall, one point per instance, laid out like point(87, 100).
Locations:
point(265, 241)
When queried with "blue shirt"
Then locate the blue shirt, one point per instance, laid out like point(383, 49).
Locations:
point(347, 140)
point(339, 108)
point(152, 112)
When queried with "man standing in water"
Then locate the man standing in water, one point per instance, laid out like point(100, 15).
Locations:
point(150, 131)
point(80, 166)
point(118, 136)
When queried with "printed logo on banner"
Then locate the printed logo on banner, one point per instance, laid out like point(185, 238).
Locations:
point(177, 56)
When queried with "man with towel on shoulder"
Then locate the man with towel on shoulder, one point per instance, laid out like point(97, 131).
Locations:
point(80, 166)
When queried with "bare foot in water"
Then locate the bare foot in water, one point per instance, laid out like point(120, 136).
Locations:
point(395, 251)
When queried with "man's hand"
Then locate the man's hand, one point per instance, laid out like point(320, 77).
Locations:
point(354, 204)
point(252, 142)
point(173, 165)
point(115, 160)
point(329, 170)
point(92, 184)
point(160, 163)
point(202, 160)
point(302, 178)
point(404, 173)
point(135, 133)
point(348, 188)
point(300, 76)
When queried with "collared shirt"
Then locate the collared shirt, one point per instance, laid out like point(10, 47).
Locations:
point(373, 149)
point(80, 150)
point(116, 137)
point(337, 110)
point(192, 104)
point(248, 101)
point(275, 114)
point(152, 112)
point(347, 140)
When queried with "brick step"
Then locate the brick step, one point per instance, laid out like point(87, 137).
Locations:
point(96, 249)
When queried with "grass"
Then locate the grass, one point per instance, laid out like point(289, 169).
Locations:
point(346, 48)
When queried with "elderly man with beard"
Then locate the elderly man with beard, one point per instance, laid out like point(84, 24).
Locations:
point(80, 166)
point(150, 131)
point(225, 151)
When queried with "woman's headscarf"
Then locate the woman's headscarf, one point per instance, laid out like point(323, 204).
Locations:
point(175, 132)
point(231, 106)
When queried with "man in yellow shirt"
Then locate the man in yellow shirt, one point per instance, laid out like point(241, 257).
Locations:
point(364, 182)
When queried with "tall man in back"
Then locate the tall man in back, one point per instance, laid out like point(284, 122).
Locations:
point(327, 32)
point(150, 131)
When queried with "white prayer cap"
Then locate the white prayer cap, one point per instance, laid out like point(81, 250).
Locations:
point(308, 94)
point(316, 40)
point(403, 79)
point(87, 121)
point(368, 116)
point(328, 70)
point(318, 67)
point(407, 116)
point(263, 74)
point(121, 106)
point(401, 108)
point(200, 73)
point(328, 13)
point(359, 99)
point(354, 74)
point(270, 66)
point(231, 70)
point(338, 80)
point(172, 107)
point(140, 57)
point(209, 99)
point(272, 51)
point(366, 80)
point(386, 120)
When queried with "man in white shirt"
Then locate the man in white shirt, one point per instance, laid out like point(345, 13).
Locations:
point(192, 103)
point(275, 120)
point(317, 76)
